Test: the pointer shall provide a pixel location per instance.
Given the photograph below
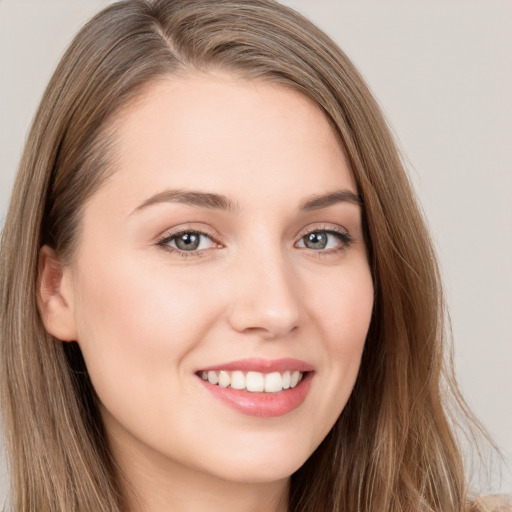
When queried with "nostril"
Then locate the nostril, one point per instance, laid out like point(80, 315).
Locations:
point(271, 332)
point(265, 298)
point(265, 322)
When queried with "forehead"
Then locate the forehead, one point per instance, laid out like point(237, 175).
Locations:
point(227, 135)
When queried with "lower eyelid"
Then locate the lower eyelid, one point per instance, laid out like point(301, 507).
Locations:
point(184, 254)
point(343, 237)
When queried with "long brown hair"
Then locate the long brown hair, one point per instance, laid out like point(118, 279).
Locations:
point(392, 447)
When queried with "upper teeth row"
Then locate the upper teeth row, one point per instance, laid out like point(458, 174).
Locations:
point(253, 381)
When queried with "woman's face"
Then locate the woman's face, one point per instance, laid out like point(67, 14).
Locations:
point(227, 246)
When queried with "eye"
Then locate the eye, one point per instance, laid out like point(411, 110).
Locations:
point(187, 241)
point(325, 240)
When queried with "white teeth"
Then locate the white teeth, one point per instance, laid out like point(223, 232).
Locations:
point(273, 382)
point(224, 379)
point(213, 378)
point(294, 379)
point(286, 380)
point(255, 382)
point(238, 380)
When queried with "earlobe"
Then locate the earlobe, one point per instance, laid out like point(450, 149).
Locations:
point(54, 296)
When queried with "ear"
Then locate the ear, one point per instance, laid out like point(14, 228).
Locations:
point(55, 296)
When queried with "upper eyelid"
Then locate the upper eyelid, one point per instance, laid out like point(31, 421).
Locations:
point(168, 236)
point(342, 234)
point(210, 233)
point(334, 228)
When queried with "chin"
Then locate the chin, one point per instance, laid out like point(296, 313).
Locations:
point(261, 474)
point(263, 466)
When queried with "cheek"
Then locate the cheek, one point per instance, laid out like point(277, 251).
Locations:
point(141, 303)
point(136, 327)
point(343, 313)
point(343, 310)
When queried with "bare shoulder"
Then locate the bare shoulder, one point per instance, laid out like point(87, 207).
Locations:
point(492, 503)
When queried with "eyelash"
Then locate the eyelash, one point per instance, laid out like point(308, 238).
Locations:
point(165, 240)
point(343, 236)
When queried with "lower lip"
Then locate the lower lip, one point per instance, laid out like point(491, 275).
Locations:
point(264, 405)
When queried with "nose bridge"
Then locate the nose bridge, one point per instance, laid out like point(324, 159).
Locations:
point(267, 298)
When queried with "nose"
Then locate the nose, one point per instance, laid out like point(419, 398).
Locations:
point(266, 299)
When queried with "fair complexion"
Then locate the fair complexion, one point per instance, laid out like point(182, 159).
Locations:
point(228, 237)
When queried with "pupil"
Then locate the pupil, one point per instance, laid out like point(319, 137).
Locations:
point(188, 241)
point(316, 241)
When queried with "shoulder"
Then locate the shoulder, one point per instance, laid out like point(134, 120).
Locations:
point(492, 503)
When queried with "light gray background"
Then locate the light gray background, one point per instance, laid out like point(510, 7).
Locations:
point(442, 71)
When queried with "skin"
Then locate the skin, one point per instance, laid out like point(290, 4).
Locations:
point(148, 319)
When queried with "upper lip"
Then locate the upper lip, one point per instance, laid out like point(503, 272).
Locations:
point(262, 365)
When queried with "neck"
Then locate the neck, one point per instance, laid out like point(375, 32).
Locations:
point(152, 484)
point(198, 495)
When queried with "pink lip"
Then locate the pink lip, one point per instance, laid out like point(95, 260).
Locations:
point(263, 365)
point(264, 405)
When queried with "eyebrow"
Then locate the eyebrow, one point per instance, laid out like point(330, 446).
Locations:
point(220, 202)
point(323, 201)
point(192, 198)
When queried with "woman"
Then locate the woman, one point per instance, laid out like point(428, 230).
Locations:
point(216, 284)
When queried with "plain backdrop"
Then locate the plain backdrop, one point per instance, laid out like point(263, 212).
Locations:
point(442, 72)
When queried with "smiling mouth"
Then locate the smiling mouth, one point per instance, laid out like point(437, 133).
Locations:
point(265, 388)
point(252, 381)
